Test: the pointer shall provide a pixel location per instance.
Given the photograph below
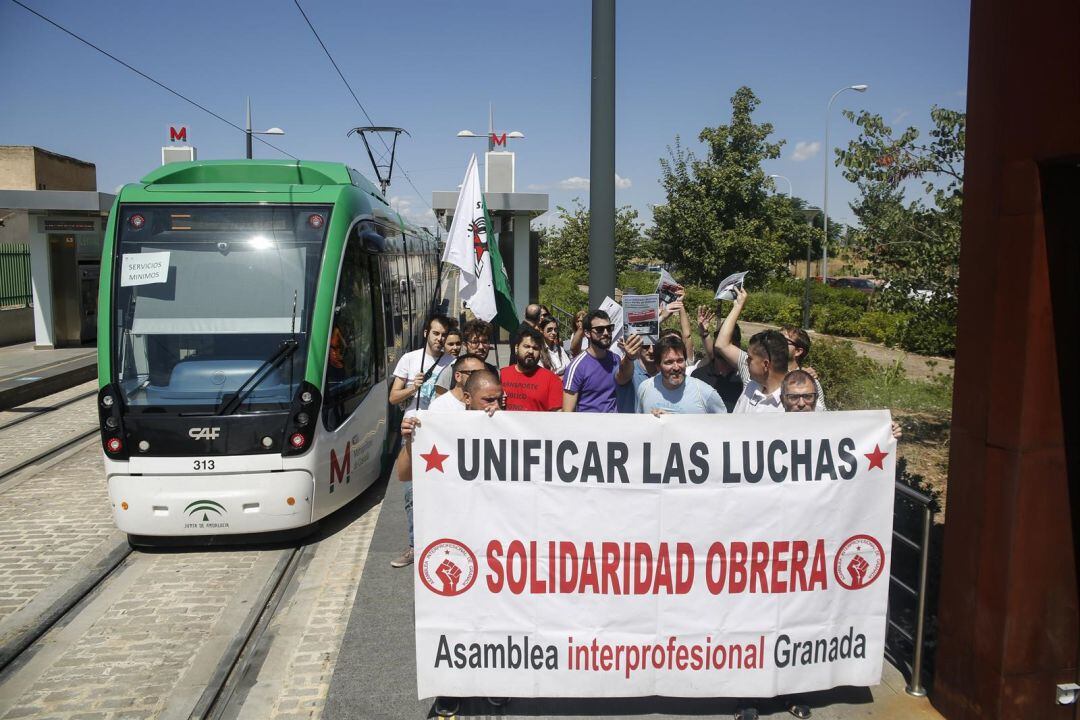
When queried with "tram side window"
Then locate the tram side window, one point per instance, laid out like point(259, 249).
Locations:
point(351, 367)
point(378, 327)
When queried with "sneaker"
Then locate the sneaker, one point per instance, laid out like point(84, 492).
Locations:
point(446, 706)
point(405, 558)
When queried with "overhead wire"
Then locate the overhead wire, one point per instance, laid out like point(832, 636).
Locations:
point(358, 103)
point(160, 84)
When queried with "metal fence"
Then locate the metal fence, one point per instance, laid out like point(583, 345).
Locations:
point(15, 288)
point(907, 620)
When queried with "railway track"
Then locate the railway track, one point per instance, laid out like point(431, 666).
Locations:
point(35, 433)
point(103, 607)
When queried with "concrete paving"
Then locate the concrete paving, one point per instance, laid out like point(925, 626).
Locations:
point(375, 676)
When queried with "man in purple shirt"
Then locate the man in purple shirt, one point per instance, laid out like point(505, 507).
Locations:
point(590, 379)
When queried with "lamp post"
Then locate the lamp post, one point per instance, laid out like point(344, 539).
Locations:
point(248, 132)
point(492, 138)
point(782, 177)
point(825, 204)
point(809, 214)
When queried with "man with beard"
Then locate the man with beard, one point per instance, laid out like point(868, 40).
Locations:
point(527, 385)
point(590, 380)
point(417, 371)
point(671, 391)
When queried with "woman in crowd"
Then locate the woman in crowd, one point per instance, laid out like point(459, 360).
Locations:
point(557, 356)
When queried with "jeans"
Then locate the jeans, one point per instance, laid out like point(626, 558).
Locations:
point(408, 510)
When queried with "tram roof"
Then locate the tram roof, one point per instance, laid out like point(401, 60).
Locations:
point(268, 176)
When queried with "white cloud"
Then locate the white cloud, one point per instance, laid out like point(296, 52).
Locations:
point(574, 183)
point(581, 183)
point(805, 150)
point(413, 211)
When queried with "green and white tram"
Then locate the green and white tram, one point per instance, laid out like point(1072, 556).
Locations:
point(251, 316)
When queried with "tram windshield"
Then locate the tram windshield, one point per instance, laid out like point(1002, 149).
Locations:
point(203, 295)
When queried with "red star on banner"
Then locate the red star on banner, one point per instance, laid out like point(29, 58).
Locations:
point(433, 459)
point(876, 458)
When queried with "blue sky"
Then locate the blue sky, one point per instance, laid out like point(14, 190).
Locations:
point(432, 68)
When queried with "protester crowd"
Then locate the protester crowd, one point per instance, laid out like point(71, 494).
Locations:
point(598, 374)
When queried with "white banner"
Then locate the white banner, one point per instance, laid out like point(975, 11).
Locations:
point(686, 556)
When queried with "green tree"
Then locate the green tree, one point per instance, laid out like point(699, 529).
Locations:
point(913, 243)
point(565, 245)
point(719, 217)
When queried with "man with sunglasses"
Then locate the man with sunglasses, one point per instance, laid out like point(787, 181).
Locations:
point(477, 336)
point(591, 378)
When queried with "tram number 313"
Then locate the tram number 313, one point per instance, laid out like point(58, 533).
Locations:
point(204, 464)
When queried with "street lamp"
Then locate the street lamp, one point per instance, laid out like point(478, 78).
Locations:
point(492, 138)
point(825, 204)
point(782, 177)
point(248, 132)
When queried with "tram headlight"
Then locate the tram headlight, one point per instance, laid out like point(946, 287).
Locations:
point(297, 440)
point(111, 423)
point(302, 419)
point(144, 446)
point(114, 445)
point(306, 397)
point(107, 401)
point(268, 442)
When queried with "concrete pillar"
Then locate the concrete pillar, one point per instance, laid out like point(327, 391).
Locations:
point(41, 282)
point(520, 280)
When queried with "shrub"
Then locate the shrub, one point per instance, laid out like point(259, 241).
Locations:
point(640, 281)
point(930, 337)
point(841, 369)
point(882, 327)
point(560, 289)
point(838, 319)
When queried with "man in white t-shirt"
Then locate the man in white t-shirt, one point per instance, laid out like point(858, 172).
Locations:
point(414, 383)
point(481, 390)
point(454, 400)
point(417, 370)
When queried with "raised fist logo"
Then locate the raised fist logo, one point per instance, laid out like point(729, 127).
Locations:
point(450, 574)
point(447, 567)
point(858, 562)
point(857, 569)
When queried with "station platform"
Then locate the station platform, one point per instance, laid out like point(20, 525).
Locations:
point(375, 675)
point(27, 374)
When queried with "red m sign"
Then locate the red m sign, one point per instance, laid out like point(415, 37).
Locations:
point(498, 139)
point(179, 134)
point(340, 470)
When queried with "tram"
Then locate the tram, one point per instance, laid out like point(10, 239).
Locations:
point(251, 316)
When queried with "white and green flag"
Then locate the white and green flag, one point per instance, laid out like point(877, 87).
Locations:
point(484, 285)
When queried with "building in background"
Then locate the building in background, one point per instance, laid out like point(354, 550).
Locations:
point(52, 221)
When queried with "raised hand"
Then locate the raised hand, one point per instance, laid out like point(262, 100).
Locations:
point(450, 574)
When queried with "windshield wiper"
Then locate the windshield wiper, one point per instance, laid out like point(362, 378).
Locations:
point(287, 348)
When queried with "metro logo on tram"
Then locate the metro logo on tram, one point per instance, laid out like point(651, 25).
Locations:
point(340, 470)
point(178, 134)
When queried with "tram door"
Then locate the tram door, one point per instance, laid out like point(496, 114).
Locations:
point(354, 388)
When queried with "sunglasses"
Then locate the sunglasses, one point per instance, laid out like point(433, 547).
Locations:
point(601, 329)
